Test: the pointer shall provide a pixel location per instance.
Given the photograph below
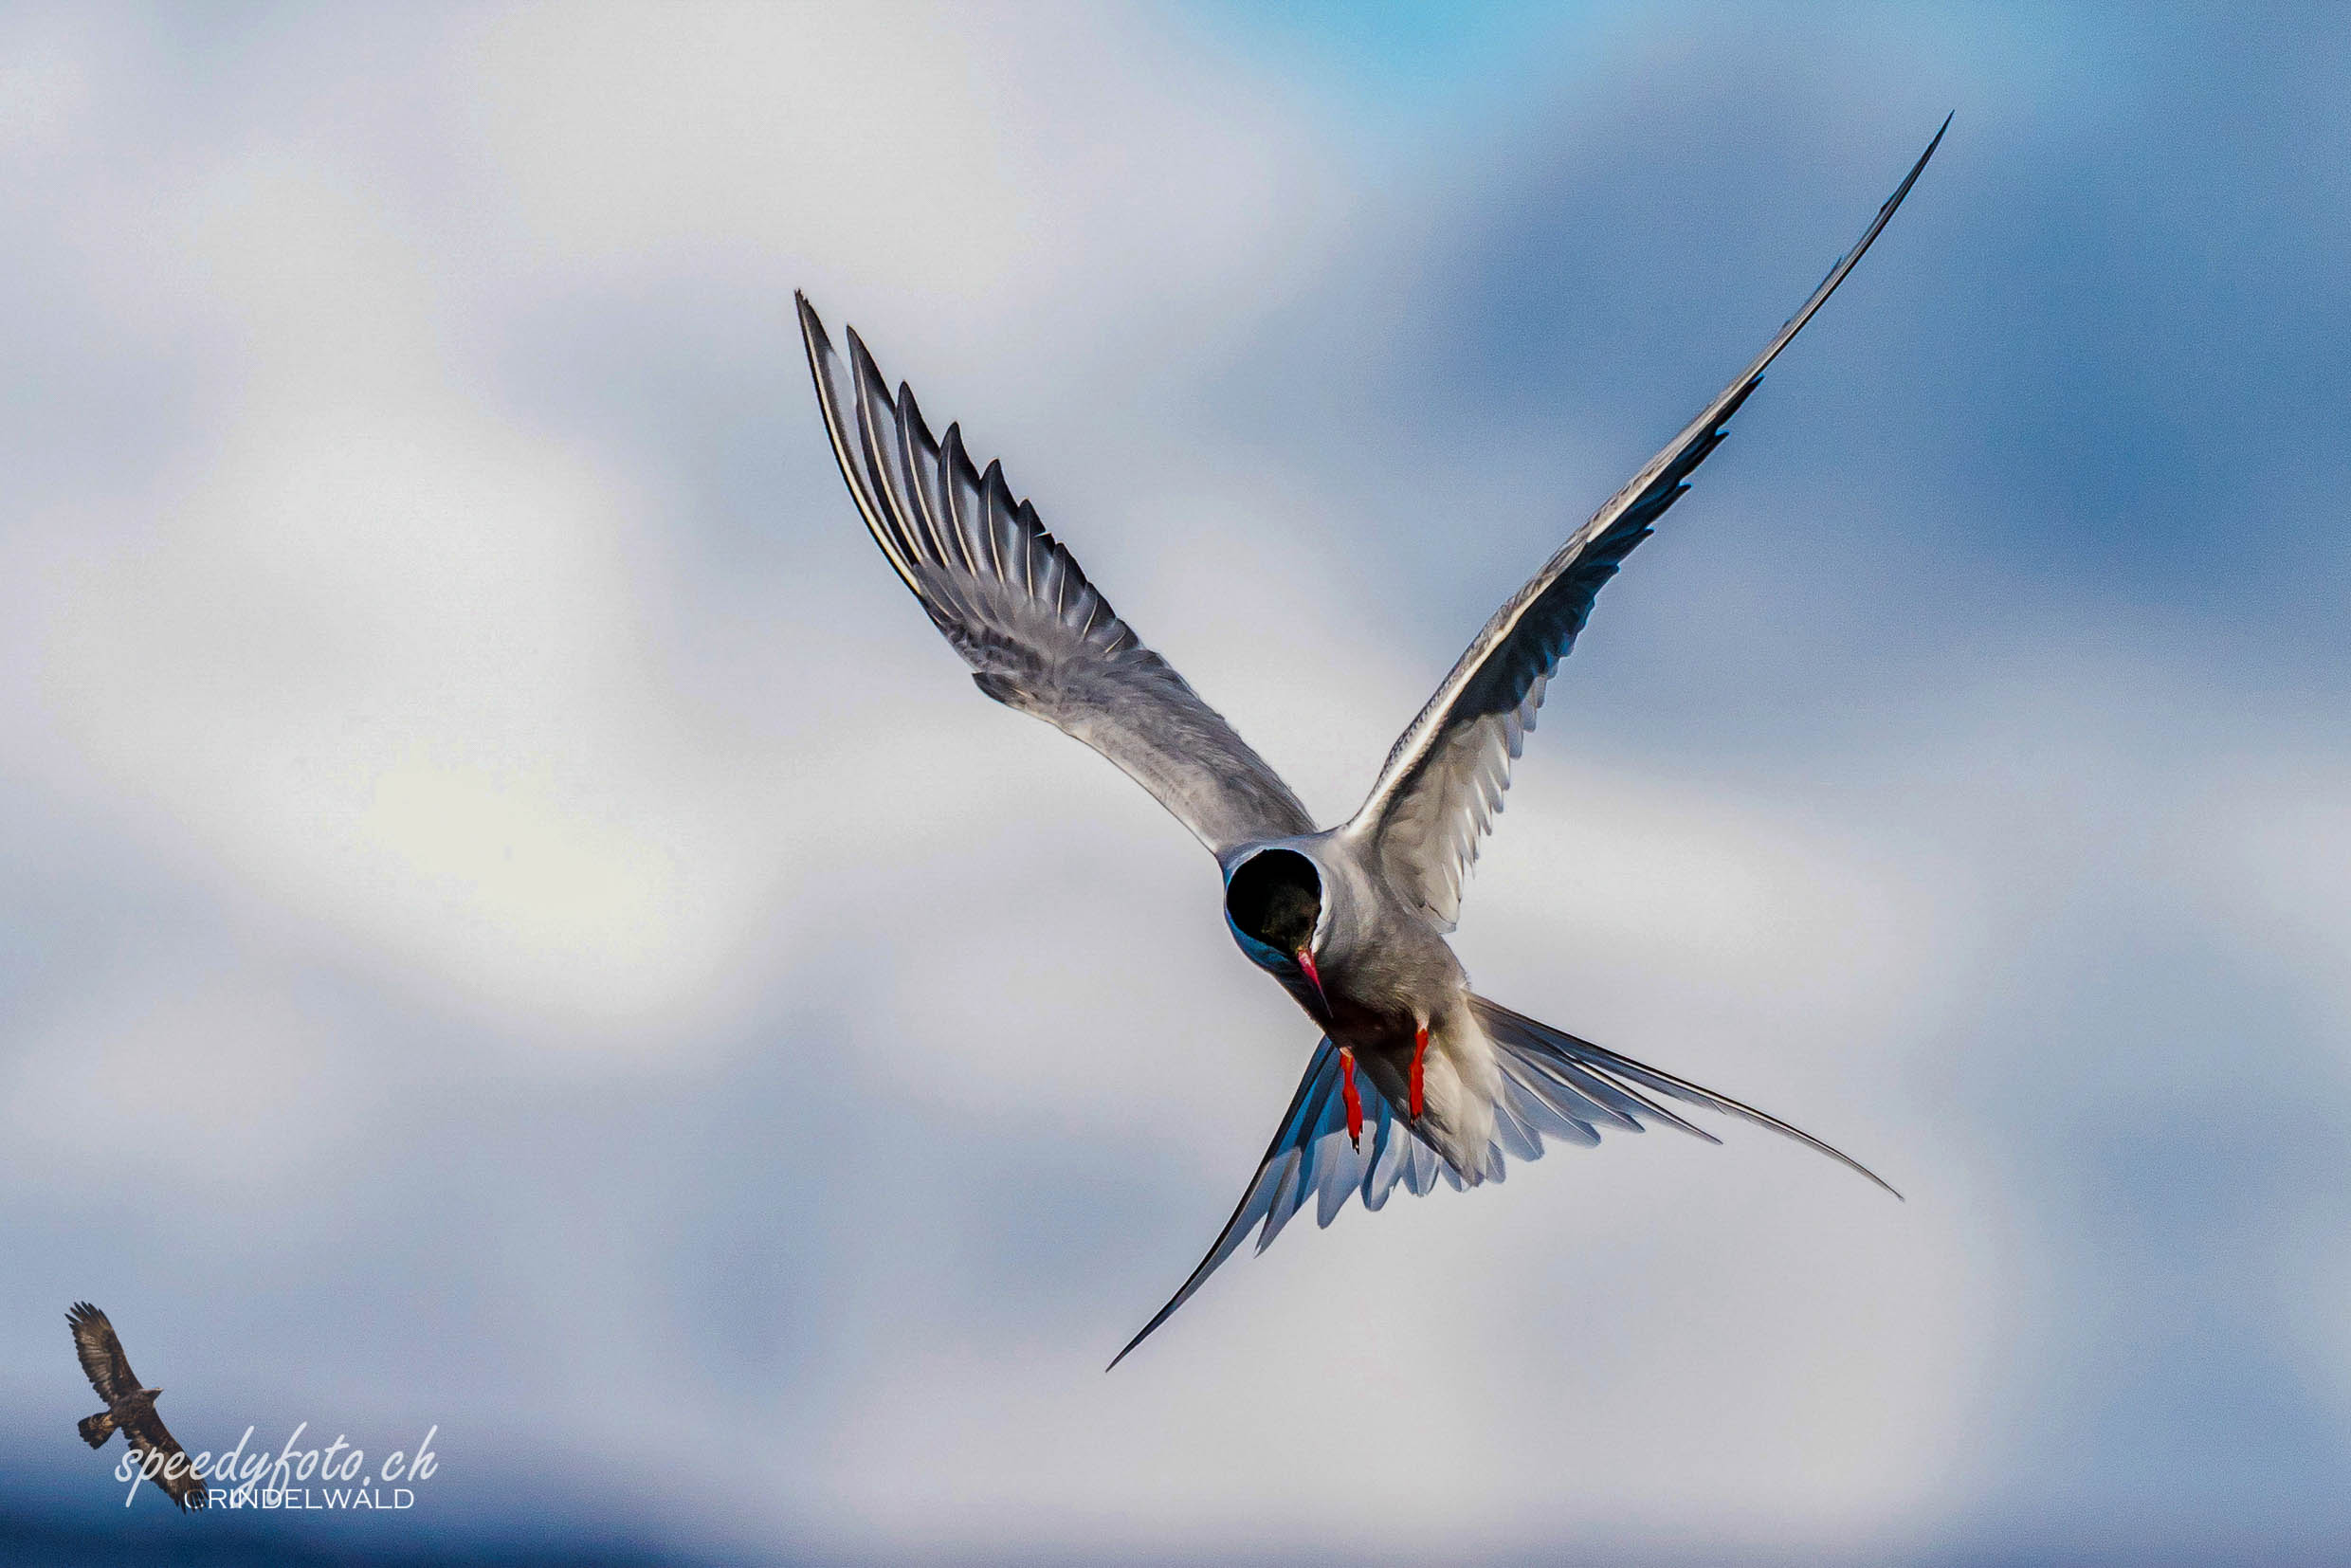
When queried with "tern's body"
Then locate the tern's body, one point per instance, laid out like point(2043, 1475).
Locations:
point(1388, 990)
point(1417, 1079)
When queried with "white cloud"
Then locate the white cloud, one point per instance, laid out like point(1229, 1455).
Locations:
point(180, 1088)
point(2272, 839)
point(941, 157)
point(386, 671)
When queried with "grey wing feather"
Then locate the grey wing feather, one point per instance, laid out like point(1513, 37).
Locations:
point(1015, 603)
point(1311, 1159)
point(1443, 783)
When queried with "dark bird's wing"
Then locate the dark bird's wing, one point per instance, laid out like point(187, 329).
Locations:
point(1310, 1157)
point(1444, 781)
point(145, 1431)
point(100, 1353)
point(1013, 602)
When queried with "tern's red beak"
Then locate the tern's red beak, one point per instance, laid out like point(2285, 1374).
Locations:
point(1305, 962)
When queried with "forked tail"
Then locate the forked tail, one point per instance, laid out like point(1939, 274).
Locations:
point(1553, 1087)
point(1552, 1076)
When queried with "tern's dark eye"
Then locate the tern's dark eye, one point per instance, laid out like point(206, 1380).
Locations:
point(1274, 897)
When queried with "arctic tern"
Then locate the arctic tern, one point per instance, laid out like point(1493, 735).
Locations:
point(1416, 1077)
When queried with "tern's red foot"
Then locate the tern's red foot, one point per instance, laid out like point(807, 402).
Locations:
point(1420, 1049)
point(1355, 1100)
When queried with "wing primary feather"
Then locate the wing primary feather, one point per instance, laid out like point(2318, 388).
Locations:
point(1010, 547)
point(878, 466)
point(823, 361)
point(997, 497)
point(963, 498)
point(919, 461)
point(892, 467)
point(1051, 580)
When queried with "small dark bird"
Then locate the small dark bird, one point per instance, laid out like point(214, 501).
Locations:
point(130, 1408)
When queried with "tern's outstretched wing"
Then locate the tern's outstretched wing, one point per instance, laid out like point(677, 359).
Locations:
point(1444, 781)
point(1013, 603)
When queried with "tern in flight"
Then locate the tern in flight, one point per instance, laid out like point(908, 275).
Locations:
point(1416, 1079)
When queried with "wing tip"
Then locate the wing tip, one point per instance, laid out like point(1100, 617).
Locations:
point(811, 326)
point(1894, 1190)
point(1598, 1058)
point(1164, 1313)
point(863, 368)
point(1822, 1146)
point(1908, 181)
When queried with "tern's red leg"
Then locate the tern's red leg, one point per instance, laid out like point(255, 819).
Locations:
point(1355, 1100)
point(1420, 1049)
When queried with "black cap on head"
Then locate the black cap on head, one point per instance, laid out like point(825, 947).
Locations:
point(1275, 897)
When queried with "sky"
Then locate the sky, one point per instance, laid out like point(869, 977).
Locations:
point(513, 927)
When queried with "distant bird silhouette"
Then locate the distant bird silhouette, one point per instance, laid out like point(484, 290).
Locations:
point(1416, 1079)
point(130, 1408)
